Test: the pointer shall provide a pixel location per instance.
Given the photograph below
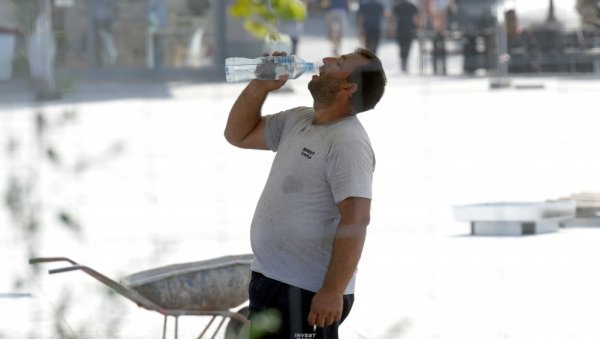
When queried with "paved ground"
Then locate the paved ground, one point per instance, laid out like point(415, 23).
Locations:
point(162, 186)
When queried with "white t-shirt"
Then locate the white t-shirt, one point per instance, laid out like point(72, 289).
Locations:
point(316, 167)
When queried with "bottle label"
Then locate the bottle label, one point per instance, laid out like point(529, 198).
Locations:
point(283, 59)
point(286, 59)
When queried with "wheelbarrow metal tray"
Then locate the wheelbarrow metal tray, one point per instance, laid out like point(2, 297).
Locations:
point(208, 285)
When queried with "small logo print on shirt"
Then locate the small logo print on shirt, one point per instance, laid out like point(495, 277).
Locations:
point(307, 153)
point(304, 335)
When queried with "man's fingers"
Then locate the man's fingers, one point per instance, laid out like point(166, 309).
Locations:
point(321, 320)
point(312, 318)
point(316, 319)
point(275, 53)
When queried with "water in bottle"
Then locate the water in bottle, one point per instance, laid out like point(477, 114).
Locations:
point(266, 68)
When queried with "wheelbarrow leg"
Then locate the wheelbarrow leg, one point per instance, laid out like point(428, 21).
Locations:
point(165, 328)
point(206, 327)
point(218, 327)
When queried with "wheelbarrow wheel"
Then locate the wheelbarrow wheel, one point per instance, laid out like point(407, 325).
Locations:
point(235, 329)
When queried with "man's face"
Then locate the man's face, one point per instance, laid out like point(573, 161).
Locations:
point(332, 76)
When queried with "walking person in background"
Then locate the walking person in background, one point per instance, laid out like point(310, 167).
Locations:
point(439, 53)
point(336, 20)
point(293, 29)
point(105, 14)
point(157, 20)
point(310, 222)
point(370, 16)
point(405, 16)
point(439, 23)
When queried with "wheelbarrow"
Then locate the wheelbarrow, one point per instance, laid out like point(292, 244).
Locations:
point(202, 288)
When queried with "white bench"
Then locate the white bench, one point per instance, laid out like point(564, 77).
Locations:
point(515, 218)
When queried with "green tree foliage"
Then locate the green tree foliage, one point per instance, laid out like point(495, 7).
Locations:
point(260, 16)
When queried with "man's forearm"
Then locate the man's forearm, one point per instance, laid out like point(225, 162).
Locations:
point(347, 244)
point(327, 304)
point(347, 249)
point(245, 113)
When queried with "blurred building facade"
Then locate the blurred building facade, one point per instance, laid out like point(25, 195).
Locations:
point(189, 35)
point(119, 35)
point(188, 26)
point(492, 34)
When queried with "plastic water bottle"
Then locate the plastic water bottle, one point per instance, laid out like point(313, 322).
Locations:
point(265, 68)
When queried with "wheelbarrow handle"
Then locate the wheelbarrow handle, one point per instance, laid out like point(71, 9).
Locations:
point(130, 294)
point(64, 269)
point(95, 274)
point(50, 259)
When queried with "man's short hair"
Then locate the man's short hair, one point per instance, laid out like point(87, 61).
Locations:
point(370, 79)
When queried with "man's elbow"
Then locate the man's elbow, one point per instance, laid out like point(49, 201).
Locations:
point(232, 139)
point(355, 212)
point(358, 220)
point(228, 137)
point(353, 228)
point(362, 222)
point(365, 221)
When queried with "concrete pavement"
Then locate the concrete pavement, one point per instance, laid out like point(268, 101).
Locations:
point(177, 192)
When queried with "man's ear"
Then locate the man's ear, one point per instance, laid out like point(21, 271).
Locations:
point(350, 87)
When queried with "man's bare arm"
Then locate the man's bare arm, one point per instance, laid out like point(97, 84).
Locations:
point(348, 244)
point(245, 125)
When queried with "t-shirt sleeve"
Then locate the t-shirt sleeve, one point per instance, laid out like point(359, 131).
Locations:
point(349, 170)
point(274, 128)
point(279, 124)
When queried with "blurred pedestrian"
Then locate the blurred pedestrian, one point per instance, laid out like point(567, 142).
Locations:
point(405, 20)
point(370, 16)
point(105, 13)
point(439, 53)
point(589, 12)
point(439, 22)
point(157, 20)
point(293, 29)
point(293, 26)
point(336, 20)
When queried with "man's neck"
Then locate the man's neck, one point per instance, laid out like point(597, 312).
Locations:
point(330, 114)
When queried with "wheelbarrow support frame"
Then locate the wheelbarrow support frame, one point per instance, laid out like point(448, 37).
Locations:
point(142, 301)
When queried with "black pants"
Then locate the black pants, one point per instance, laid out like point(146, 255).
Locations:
point(404, 42)
point(439, 55)
point(291, 305)
point(372, 37)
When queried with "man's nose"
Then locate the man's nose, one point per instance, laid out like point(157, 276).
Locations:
point(327, 59)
